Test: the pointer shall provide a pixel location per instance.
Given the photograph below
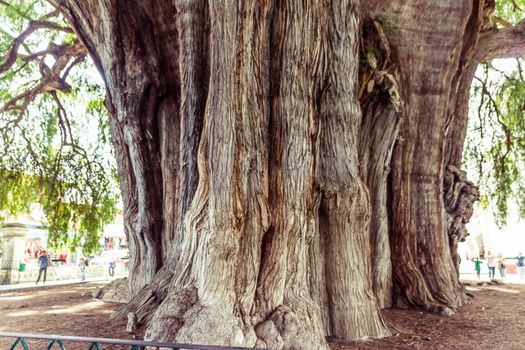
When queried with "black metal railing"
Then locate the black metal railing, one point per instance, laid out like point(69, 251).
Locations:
point(20, 342)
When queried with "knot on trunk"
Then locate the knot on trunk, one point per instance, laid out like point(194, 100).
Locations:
point(378, 74)
point(460, 195)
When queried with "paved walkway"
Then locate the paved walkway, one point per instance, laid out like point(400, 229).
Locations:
point(33, 285)
point(510, 278)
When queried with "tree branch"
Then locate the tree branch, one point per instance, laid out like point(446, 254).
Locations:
point(502, 43)
point(15, 45)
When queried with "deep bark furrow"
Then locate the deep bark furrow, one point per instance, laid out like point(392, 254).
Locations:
point(169, 120)
point(283, 297)
point(254, 113)
point(193, 60)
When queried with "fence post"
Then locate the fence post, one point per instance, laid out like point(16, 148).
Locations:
point(59, 342)
point(21, 341)
point(94, 346)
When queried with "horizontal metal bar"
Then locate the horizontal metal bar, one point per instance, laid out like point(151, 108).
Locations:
point(118, 341)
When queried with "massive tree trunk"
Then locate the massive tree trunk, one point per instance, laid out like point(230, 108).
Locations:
point(279, 186)
point(220, 236)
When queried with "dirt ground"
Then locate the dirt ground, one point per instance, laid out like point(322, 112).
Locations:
point(494, 320)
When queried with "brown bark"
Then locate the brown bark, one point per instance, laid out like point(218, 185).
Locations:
point(429, 42)
point(460, 195)
point(382, 105)
point(234, 250)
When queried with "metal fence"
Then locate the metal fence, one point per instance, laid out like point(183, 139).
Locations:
point(57, 342)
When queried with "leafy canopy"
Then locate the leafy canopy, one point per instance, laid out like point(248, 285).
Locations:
point(494, 151)
point(54, 131)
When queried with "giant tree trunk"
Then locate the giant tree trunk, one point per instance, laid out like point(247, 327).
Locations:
point(271, 195)
point(221, 236)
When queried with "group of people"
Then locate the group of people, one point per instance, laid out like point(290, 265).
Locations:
point(84, 262)
point(43, 263)
point(499, 262)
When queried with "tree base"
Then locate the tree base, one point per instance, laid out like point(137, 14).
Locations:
point(184, 319)
point(288, 328)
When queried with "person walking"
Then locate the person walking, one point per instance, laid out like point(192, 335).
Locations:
point(111, 268)
point(477, 266)
point(43, 261)
point(82, 265)
point(520, 265)
point(502, 265)
point(491, 263)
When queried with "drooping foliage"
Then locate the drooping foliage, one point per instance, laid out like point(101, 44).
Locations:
point(495, 144)
point(495, 147)
point(54, 145)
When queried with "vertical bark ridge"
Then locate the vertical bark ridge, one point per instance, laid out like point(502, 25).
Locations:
point(254, 83)
point(192, 23)
point(383, 108)
point(283, 301)
point(345, 203)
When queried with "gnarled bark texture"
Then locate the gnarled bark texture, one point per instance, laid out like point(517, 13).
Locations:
point(236, 130)
point(288, 167)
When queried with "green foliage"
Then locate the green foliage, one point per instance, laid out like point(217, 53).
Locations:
point(55, 151)
point(495, 144)
point(511, 11)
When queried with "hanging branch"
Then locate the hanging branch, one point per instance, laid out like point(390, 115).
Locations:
point(51, 80)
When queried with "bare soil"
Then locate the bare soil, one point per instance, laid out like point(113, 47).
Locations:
point(494, 320)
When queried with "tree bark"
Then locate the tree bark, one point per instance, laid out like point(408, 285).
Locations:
point(429, 41)
point(383, 108)
point(220, 237)
point(278, 185)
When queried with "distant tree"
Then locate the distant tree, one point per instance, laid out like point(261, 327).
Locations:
point(50, 150)
point(288, 167)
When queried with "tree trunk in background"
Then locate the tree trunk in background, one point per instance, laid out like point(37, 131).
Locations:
point(430, 39)
point(288, 167)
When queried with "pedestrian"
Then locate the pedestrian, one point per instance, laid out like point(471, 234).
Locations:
point(491, 263)
point(520, 265)
point(502, 265)
point(43, 261)
point(111, 268)
point(477, 266)
point(82, 265)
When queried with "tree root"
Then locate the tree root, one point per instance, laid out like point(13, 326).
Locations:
point(290, 328)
